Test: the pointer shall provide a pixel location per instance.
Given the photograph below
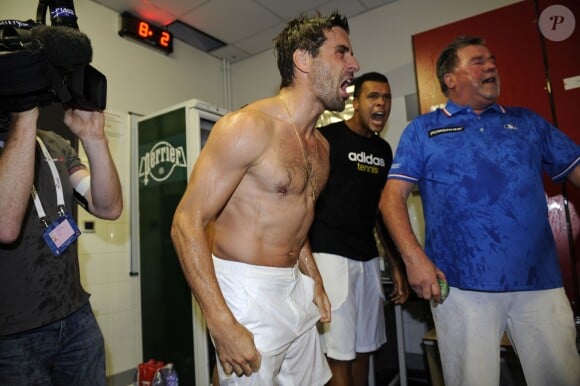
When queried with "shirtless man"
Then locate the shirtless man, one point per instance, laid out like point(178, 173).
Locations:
point(240, 229)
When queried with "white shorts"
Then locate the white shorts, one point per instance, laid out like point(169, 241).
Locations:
point(276, 305)
point(540, 326)
point(356, 295)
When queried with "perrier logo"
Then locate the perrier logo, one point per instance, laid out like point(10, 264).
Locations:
point(159, 162)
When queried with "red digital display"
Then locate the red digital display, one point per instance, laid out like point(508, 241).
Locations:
point(143, 31)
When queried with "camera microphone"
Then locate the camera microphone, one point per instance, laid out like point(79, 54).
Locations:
point(65, 47)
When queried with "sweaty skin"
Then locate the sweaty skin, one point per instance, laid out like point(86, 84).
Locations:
point(275, 186)
point(250, 195)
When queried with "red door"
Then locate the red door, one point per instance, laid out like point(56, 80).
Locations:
point(563, 64)
point(526, 61)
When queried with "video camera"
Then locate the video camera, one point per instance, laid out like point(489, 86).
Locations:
point(42, 64)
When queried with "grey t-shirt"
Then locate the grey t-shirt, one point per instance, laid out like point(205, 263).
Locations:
point(36, 287)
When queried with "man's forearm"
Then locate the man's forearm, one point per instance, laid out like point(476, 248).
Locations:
point(396, 217)
point(17, 173)
point(106, 193)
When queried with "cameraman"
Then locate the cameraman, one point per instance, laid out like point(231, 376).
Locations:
point(48, 333)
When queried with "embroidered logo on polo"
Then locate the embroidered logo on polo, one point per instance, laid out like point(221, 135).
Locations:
point(510, 126)
point(445, 130)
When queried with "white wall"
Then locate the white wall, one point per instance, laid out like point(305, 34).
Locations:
point(142, 80)
point(104, 263)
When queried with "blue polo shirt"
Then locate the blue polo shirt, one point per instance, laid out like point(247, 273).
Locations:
point(480, 179)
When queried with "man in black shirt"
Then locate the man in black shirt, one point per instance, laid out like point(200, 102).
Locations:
point(342, 238)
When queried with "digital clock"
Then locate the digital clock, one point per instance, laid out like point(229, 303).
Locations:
point(145, 32)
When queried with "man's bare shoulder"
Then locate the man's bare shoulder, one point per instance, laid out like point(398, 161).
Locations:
point(245, 134)
point(255, 119)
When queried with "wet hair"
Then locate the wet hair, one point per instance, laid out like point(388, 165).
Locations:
point(448, 59)
point(368, 77)
point(303, 33)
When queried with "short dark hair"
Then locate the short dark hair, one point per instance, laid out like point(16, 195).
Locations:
point(303, 33)
point(448, 59)
point(367, 77)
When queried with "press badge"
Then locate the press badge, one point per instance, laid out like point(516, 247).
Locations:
point(61, 233)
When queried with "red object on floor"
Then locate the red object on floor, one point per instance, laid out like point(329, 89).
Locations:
point(147, 370)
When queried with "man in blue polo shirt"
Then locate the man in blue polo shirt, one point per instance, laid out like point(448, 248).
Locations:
point(479, 166)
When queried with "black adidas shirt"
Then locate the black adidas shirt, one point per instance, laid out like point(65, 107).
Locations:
point(347, 208)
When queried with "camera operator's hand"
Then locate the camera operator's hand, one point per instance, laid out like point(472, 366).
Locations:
point(86, 125)
point(104, 197)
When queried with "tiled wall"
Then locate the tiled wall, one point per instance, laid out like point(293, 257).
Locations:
point(104, 256)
